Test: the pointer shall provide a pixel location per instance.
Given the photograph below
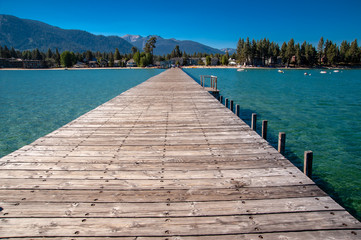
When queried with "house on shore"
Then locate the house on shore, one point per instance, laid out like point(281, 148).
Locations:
point(93, 64)
point(20, 63)
point(131, 63)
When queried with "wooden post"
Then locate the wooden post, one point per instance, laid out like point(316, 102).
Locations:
point(237, 110)
point(216, 83)
point(307, 163)
point(281, 142)
point(254, 121)
point(231, 106)
point(226, 103)
point(264, 129)
point(221, 99)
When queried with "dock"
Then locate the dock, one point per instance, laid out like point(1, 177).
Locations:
point(163, 160)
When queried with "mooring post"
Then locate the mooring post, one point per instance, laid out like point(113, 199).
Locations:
point(264, 129)
point(307, 163)
point(221, 99)
point(254, 121)
point(237, 110)
point(231, 106)
point(281, 142)
point(226, 103)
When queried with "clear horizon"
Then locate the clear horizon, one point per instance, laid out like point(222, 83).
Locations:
point(207, 22)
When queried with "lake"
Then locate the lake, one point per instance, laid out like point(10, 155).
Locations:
point(318, 112)
point(34, 103)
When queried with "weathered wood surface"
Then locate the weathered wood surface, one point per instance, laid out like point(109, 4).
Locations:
point(163, 160)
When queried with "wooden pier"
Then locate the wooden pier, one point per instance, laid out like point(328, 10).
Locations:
point(163, 160)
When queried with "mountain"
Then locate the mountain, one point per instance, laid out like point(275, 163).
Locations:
point(229, 50)
point(24, 34)
point(165, 46)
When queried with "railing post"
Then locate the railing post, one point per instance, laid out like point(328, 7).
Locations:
point(281, 142)
point(264, 129)
point(254, 121)
point(231, 106)
point(216, 82)
point(307, 163)
point(226, 103)
point(237, 110)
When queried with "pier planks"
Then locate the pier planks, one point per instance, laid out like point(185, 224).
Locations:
point(163, 160)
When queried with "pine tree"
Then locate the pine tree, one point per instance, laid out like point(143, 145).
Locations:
point(354, 52)
point(117, 54)
point(320, 50)
point(290, 50)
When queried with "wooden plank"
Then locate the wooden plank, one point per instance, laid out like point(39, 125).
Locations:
point(309, 235)
point(173, 209)
point(160, 195)
point(284, 222)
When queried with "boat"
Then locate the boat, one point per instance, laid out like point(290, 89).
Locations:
point(240, 69)
point(323, 72)
point(280, 71)
point(336, 71)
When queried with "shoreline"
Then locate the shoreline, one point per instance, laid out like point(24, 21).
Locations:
point(186, 67)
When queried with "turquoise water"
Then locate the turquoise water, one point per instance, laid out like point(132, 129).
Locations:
point(321, 112)
point(34, 103)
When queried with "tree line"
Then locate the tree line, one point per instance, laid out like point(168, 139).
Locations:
point(264, 52)
point(249, 52)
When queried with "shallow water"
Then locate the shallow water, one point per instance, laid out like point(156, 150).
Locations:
point(320, 112)
point(34, 103)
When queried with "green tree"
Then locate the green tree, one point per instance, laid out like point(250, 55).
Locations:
point(150, 45)
point(57, 57)
point(134, 50)
point(89, 56)
point(13, 53)
point(224, 60)
point(35, 55)
point(344, 48)
point(240, 50)
point(49, 53)
point(136, 58)
point(332, 54)
point(283, 52)
point(66, 59)
point(208, 60)
point(320, 50)
point(290, 50)
point(117, 54)
point(5, 52)
point(298, 54)
point(111, 60)
point(354, 52)
point(176, 52)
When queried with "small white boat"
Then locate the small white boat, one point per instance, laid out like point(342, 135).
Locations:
point(280, 71)
point(336, 71)
point(240, 70)
point(323, 72)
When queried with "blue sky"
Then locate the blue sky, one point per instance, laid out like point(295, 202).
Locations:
point(215, 23)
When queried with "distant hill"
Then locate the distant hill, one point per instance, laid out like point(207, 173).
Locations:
point(24, 34)
point(165, 46)
point(230, 50)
